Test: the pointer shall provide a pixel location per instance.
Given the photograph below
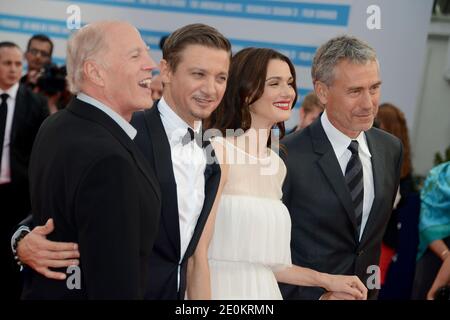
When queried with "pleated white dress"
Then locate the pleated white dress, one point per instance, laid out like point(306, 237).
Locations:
point(252, 230)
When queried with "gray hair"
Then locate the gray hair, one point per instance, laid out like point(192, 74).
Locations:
point(85, 44)
point(335, 50)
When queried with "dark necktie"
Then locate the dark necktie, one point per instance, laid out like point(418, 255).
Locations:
point(355, 183)
point(3, 113)
point(191, 135)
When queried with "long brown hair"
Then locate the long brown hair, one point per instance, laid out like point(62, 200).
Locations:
point(393, 120)
point(246, 83)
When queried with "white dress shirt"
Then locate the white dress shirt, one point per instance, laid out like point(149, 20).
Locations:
point(340, 143)
point(189, 163)
point(5, 170)
point(124, 124)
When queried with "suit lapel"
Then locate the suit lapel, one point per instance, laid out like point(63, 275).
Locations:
point(212, 179)
point(164, 170)
point(19, 111)
point(378, 182)
point(90, 112)
point(330, 167)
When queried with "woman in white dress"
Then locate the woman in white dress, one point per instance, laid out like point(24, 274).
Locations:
point(245, 247)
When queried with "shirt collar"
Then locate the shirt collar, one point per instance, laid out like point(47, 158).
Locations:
point(125, 125)
point(12, 91)
point(174, 126)
point(340, 141)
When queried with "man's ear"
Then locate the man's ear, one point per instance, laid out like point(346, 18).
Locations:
point(321, 90)
point(94, 73)
point(165, 71)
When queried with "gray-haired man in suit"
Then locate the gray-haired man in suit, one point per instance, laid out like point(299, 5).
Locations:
point(342, 173)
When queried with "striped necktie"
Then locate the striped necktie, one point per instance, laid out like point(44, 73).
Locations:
point(354, 180)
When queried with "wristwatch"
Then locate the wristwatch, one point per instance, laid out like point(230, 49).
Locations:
point(17, 236)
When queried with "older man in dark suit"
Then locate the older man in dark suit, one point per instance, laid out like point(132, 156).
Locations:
point(342, 173)
point(87, 174)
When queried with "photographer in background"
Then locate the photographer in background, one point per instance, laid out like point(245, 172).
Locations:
point(39, 53)
point(52, 84)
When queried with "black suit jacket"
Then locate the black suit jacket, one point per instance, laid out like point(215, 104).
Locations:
point(165, 259)
point(88, 175)
point(29, 113)
point(324, 235)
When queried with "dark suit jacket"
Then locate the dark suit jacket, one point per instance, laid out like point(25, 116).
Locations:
point(166, 258)
point(30, 111)
point(324, 234)
point(88, 175)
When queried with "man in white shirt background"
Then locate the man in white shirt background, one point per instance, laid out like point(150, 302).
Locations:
point(21, 114)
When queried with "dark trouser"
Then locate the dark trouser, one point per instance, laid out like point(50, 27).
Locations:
point(13, 207)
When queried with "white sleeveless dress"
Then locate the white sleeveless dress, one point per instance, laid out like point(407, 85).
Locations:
point(252, 229)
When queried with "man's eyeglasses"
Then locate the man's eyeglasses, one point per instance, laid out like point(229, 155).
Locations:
point(35, 52)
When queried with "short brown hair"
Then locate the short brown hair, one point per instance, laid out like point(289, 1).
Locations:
point(192, 34)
